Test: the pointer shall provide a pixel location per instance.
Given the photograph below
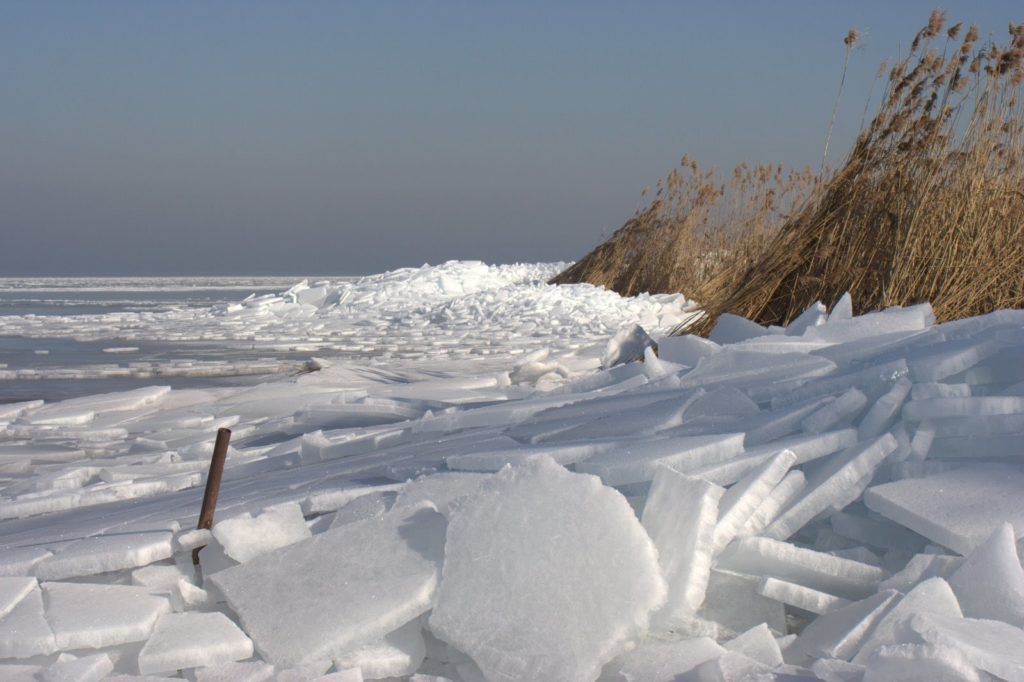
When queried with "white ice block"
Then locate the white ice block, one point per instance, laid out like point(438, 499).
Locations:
point(504, 599)
point(83, 410)
point(662, 661)
point(990, 583)
point(12, 591)
point(733, 604)
point(441, 489)
point(949, 358)
point(687, 349)
point(916, 662)
point(888, 321)
point(398, 654)
point(757, 643)
point(933, 596)
point(68, 668)
point(105, 553)
point(627, 345)
point(839, 412)
point(381, 573)
point(885, 411)
point(731, 328)
point(637, 462)
point(977, 406)
point(990, 645)
point(780, 497)
point(840, 633)
point(921, 567)
point(957, 509)
point(834, 486)
point(876, 532)
point(680, 516)
point(91, 616)
point(251, 671)
point(741, 500)
point(25, 632)
point(771, 558)
point(245, 537)
point(19, 561)
point(190, 640)
point(815, 316)
point(800, 596)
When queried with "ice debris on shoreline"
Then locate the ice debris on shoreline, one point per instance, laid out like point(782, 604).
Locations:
point(838, 500)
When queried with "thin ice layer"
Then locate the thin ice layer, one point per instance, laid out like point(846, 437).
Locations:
point(24, 632)
point(741, 500)
point(245, 537)
point(680, 516)
point(840, 633)
point(380, 573)
point(12, 591)
point(398, 654)
point(932, 597)
point(547, 575)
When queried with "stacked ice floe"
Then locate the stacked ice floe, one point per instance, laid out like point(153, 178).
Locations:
point(839, 500)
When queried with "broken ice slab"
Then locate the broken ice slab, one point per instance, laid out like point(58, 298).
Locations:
point(245, 537)
point(839, 412)
point(757, 643)
point(921, 567)
point(731, 329)
point(932, 596)
point(83, 410)
point(780, 497)
point(637, 462)
point(12, 591)
point(885, 411)
point(441, 490)
point(503, 600)
point(990, 582)
point(733, 604)
point(840, 633)
point(25, 632)
point(800, 596)
point(686, 350)
point(92, 616)
point(876, 532)
point(935, 363)
point(1007, 446)
point(911, 662)
point(662, 661)
point(380, 573)
point(741, 500)
point(834, 486)
point(398, 654)
point(975, 406)
point(957, 509)
point(190, 640)
point(105, 553)
point(771, 558)
point(681, 515)
point(69, 668)
point(565, 454)
point(989, 645)
point(739, 368)
point(896, 319)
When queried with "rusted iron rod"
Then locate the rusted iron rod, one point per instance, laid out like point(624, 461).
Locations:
point(220, 453)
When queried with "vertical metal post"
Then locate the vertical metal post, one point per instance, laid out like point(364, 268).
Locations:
point(220, 453)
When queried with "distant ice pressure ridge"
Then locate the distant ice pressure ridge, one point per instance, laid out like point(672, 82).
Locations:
point(458, 308)
point(834, 500)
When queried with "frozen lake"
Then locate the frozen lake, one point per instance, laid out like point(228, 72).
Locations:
point(28, 305)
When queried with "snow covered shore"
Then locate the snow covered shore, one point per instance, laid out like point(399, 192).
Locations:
point(463, 492)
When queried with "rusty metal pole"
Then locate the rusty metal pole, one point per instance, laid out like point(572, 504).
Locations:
point(220, 453)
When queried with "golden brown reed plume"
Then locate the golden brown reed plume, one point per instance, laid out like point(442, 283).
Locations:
point(697, 227)
point(928, 206)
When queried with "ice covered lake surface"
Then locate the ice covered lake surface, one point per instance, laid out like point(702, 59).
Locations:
point(480, 481)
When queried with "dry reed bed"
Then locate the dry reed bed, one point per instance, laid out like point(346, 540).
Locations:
point(928, 205)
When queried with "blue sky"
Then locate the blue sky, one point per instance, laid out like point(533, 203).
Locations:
point(351, 137)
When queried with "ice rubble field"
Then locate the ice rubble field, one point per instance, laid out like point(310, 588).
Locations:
point(838, 500)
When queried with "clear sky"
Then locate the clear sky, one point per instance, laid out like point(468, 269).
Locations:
point(350, 137)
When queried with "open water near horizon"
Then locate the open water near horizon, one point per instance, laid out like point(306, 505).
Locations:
point(98, 361)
